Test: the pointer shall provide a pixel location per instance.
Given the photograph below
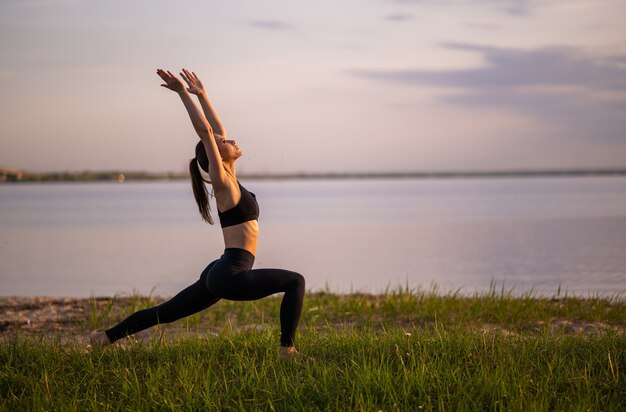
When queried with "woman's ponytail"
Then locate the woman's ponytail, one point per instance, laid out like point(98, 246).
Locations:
point(197, 183)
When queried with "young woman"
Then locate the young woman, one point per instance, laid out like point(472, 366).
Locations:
point(231, 276)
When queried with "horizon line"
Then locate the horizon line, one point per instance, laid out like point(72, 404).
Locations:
point(12, 174)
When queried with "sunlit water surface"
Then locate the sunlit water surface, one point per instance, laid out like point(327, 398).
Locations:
point(526, 234)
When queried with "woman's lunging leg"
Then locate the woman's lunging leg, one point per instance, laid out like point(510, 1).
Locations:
point(191, 300)
point(258, 283)
point(291, 309)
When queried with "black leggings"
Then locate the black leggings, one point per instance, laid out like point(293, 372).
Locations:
point(230, 277)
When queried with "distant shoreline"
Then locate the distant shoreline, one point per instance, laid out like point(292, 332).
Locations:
point(16, 176)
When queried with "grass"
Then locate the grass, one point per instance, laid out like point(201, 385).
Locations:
point(402, 350)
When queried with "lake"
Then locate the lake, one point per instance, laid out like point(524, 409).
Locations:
point(525, 234)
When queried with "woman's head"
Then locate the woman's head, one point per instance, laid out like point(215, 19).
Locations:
point(229, 151)
point(197, 182)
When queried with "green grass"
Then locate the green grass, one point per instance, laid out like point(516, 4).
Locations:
point(403, 350)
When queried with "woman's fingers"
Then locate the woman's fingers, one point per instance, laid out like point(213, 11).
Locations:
point(191, 76)
point(166, 76)
point(172, 82)
point(189, 81)
point(169, 79)
point(185, 78)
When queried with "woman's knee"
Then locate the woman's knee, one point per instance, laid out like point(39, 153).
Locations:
point(299, 280)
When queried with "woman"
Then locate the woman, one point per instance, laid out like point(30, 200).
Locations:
point(231, 276)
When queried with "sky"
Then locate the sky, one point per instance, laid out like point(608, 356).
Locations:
point(323, 86)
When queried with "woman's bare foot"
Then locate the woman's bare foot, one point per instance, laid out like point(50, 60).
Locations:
point(288, 352)
point(99, 339)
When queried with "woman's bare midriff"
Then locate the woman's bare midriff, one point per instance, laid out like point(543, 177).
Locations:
point(242, 236)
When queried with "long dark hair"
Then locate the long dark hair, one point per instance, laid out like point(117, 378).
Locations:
point(197, 182)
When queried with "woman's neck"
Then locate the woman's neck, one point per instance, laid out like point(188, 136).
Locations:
point(230, 169)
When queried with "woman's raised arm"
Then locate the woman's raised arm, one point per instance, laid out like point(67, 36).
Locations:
point(200, 124)
point(196, 87)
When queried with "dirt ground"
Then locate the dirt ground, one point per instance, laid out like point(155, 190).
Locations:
point(48, 317)
point(70, 320)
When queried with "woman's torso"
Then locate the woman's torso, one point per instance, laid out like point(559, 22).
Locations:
point(240, 226)
point(242, 236)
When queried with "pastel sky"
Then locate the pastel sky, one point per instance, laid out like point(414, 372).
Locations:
point(315, 86)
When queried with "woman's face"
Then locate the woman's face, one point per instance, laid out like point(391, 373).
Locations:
point(228, 148)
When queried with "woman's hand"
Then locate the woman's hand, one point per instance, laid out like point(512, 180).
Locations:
point(194, 83)
point(196, 87)
point(171, 82)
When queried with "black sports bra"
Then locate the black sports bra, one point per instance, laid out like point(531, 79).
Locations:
point(246, 209)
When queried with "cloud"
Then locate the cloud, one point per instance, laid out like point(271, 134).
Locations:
point(399, 17)
point(273, 25)
point(562, 86)
point(507, 68)
point(514, 7)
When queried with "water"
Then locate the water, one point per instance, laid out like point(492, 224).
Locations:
point(524, 234)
